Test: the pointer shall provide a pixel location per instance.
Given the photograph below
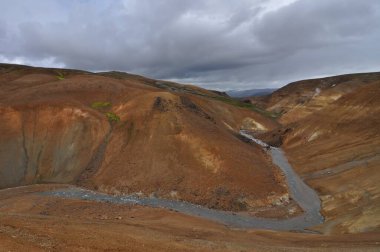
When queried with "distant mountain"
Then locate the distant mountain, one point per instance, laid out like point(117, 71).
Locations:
point(250, 92)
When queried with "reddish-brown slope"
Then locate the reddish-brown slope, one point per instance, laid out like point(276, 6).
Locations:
point(171, 144)
point(337, 149)
point(302, 98)
point(334, 143)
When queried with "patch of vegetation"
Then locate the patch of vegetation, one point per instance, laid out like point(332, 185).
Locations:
point(100, 105)
point(104, 107)
point(60, 76)
point(112, 117)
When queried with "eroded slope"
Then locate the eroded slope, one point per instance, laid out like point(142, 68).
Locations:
point(332, 139)
point(119, 135)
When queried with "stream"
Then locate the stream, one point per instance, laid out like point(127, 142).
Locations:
point(306, 198)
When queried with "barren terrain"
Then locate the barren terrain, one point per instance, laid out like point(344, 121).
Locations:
point(32, 222)
point(330, 132)
point(123, 134)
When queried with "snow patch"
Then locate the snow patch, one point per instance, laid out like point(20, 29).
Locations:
point(258, 141)
point(317, 92)
point(80, 113)
point(335, 97)
point(314, 136)
point(227, 125)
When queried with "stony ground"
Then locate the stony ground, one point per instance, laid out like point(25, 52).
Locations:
point(30, 222)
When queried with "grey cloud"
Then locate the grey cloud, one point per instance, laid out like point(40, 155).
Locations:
point(217, 44)
point(316, 23)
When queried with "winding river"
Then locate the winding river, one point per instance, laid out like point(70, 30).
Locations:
point(306, 198)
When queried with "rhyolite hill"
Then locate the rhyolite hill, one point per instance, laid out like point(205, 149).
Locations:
point(121, 134)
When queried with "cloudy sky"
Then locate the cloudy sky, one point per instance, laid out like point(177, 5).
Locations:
point(219, 44)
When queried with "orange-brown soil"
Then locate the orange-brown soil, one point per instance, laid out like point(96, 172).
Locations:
point(31, 222)
point(332, 139)
point(121, 134)
point(178, 142)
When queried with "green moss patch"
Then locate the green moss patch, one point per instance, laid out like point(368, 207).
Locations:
point(100, 105)
point(112, 117)
point(104, 107)
point(60, 76)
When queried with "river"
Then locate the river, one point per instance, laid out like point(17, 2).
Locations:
point(305, 196)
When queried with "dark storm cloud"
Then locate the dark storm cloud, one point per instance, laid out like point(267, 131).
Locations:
point(218, 44)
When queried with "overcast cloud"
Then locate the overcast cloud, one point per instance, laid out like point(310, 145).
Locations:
point(218, 44)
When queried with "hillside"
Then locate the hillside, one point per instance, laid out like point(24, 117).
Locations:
point(119, 140)
point(302, 98)
point(330, 131)
point(123, 134)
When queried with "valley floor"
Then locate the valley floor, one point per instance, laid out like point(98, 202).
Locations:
point(33, 222)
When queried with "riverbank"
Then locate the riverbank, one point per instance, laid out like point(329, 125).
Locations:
point(30, 221)
point(306, 198)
